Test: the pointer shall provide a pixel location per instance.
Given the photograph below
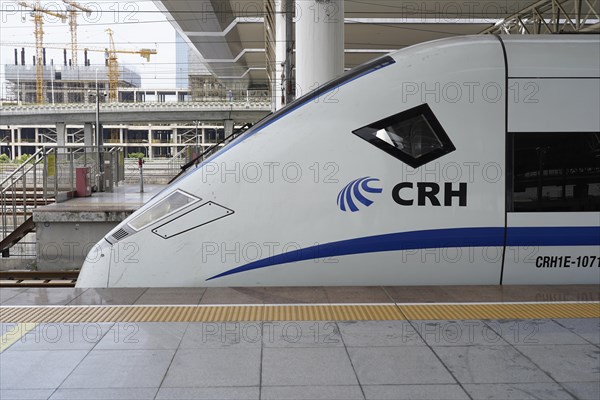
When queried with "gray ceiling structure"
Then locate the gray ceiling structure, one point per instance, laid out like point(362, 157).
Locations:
point(229, 35)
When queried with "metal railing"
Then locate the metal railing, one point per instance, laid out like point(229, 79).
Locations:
point(9, 109)
point(48, 172)
point(210, 151)
point(178, 159)
point(16, 199)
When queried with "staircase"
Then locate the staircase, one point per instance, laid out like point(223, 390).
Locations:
point(21, 192)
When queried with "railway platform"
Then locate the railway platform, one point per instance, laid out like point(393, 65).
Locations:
point(453, 342)
point(66, 231)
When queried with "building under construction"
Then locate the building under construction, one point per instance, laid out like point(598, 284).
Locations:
point(65, 83)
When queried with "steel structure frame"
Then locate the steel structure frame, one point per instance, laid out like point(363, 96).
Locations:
point(551, 16)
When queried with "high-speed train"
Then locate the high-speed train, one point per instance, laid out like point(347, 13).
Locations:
point(471, 160)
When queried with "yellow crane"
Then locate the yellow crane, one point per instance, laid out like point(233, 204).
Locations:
point(110, 54)
point(73, 9)
point(38, 18)
point(113, 67)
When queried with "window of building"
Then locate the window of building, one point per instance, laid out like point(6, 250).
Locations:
point(555, 172)
point(414, 136)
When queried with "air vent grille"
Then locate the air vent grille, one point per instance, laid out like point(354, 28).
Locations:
point(120, 234)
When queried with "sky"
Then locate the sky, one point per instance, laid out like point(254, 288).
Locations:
point(135, 25)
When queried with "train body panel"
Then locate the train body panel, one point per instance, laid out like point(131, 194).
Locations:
point(396, 174)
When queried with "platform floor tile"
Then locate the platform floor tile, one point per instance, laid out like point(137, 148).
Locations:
point(307, 367)
point(583, 390)
point(398, 365)
point(25, 394)
point(301, 334)
point(415, 392)
point(566, 363)
point(535, 332)
point(357, 294)
point(379, 333)
point(518, 391)
point(103, 369)
point(489, 364)
point(165, 296)
point(216, 335)
point(73, 336)
point(44, 369)
point(143, 335)
point(8, 293)
point(214, 367)
point(210, 393)
point(6, 327)
point(105, 394)
point(457, 333)
point(45, 296)
point(340, 392)
point(589, 329)
point(114, 296)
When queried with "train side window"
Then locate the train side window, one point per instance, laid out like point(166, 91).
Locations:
point(414, 136)
point(555, 172)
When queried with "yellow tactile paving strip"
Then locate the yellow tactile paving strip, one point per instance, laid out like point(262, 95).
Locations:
point(501, 311)
point(302, 312)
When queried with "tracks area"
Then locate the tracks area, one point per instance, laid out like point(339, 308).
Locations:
point(38, 278)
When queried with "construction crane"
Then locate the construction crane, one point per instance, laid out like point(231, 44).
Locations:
point(37, 13)
point(73, 8)
point(113, 66)
point(110, 54)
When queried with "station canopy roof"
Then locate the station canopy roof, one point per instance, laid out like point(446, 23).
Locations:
point(229, 35)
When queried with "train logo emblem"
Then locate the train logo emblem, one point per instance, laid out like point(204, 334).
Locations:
point(354, 193)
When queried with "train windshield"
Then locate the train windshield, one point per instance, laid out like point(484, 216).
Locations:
point(168, 205)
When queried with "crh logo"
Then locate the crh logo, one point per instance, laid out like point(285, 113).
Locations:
point(354, 192)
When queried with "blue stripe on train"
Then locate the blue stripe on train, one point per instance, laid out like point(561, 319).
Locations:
point(436, 238)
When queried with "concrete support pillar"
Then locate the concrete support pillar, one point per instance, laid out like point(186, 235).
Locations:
point(228, 123)
point(13, 136)
point(149, 144)
point(174, 140)
point(88, 135)
point(61, 136)
point(121, 134)
point(18, 140)
point(280, 54)
point(319, 43)
point(282, 89)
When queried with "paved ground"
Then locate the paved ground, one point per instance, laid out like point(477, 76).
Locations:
point(467, 359)
point(542, 359)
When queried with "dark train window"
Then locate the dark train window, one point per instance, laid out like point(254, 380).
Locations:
point(557, 172)
point(414, 136)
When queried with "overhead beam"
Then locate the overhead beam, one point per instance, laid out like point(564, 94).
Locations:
point(551, 16)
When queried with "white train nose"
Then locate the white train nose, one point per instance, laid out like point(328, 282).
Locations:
point(95, 269)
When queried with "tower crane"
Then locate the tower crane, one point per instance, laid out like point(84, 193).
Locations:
point(113, 67)
point(73, 8)
point(110, 54)
point(37, 12)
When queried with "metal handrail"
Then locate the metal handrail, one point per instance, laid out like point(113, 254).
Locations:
point(9, 201)
point(211, 149)
point(21, 166)
point(16, 201)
